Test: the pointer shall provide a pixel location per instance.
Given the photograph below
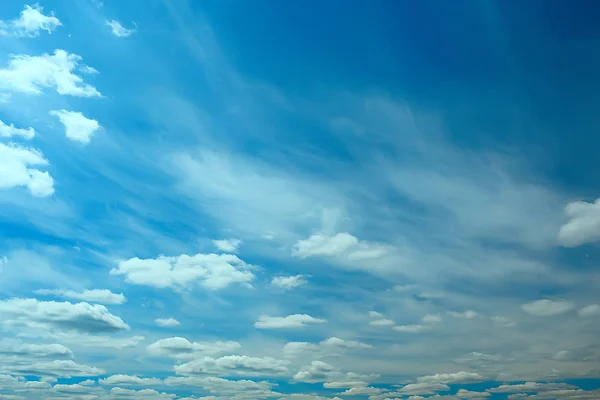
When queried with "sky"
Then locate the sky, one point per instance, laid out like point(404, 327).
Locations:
point(299, 200)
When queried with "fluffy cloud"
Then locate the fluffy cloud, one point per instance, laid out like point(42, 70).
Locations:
point(583, 225)
point(410, 328)
point(227, 245)
point(243, 388)
point(421, 388)
point(143, 394)
point(102, 296)
point(18, 348)
point(432, 319)
point(592, 310)
point(290, 321)
point(15, 170)
point(129, 380)
point(233, 365)
point(30, 74)
point(78, 127)
point(30, 23)
point(119, 30)
point(56, 368)
point(80, 317)
point(529, 387)
point(328, 346)
point(288, 282)
point(166, 322)
point(317, 371)
point(9, 131)
point(469, 314)
point(382, 322)
point(338, 244)
point(212, 271)
point(547, 308)
point(182, 349)
point(452, 378)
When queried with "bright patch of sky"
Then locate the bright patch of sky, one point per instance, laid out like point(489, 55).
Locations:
point(288, 200)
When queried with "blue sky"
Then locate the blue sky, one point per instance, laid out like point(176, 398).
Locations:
point(299, 200)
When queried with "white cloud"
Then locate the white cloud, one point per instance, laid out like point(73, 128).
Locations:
point(233, 365)
point(452, 378)
point(583, 225)
point(593, 310)
point(17, 348)
point(227, 245)
point(8, 131)
point(78, 127)
point(225, 388)
point(167, 322)
point(30, 23)
point(290, 321)
point(547, 308)
point(432, 319)
point(469, 314)
point(118, 393)
point(211, 271)
point(182, 349)
point(336, 245)
point(421, 388)
point(56, 368)
point(382, 322)
point(503, 322)
point(119, 30)
point(102, 296)
point(80, 317)
point(529, 387)
point(410, 328)
point(129, 380)
point(317, 371)
point(375, 314)
point(361, 391)
point(289, 282)
point(15, 163)
point(30, 74)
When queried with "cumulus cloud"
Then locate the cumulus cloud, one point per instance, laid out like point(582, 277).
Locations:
point(233, 365)
point(290, 321)
point(410, 328)
point(15, 170)
point(118, 393)
point(9, 131)
point(529, 387)
point(452, 378)
point(547, 308)
point(317, 371)
point(182, 349)
point(242, 388)
point(129, 380)
point(288, 282)
point(30, 23)
point(593, 310)
point(382, 322)
point(30, 74)
point(336, 245)
point(78, 127)
point(329, 346)
point(166, 322)
point(18, 348)
point(228, 245)
point(583, 225)
point(119, 30)
point(102, 296)
point(211, 271)
point(56, 369)
point(469, 314)
point(80, 317)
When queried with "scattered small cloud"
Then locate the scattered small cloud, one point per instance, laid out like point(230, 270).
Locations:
point(547, 308)
point(102, 296)
point(166, 322)
point(289, 282)
point(228, 245)
point(78, 127)
point(290, 321)
point(119, 30)
point(10, 131)
point(30, 23)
